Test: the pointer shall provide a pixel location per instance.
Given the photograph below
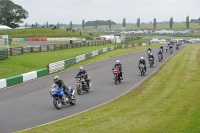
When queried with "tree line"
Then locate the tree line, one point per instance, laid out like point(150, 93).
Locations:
point(12, 15)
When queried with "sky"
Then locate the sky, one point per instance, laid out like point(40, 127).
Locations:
point(64, 11)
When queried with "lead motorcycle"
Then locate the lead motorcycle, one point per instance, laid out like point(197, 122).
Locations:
point(81, 84)
point(60, 98)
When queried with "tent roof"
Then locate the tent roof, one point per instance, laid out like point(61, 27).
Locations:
point(3, 27)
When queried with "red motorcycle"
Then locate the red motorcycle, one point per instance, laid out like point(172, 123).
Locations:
point(116, 73)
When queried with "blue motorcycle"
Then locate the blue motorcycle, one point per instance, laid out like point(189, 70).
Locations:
point(60, 98)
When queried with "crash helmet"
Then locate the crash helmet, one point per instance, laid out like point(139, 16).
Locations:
point(81, 68)
point(56, 78)
point(117, 62)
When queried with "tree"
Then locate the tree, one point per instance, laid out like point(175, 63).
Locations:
point(83, 24)
point(109, 24)
point(154, 23)
point(124, 23)
point(58, 26)
point(199, 20)
point(187, 21)
point(171, 22)
point(138, 22)
point(36, 25)
point(71, 24)
point(47, 25)
point(96, 24)
point(11, 14)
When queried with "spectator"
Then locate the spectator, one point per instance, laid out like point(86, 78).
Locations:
point(80, 33)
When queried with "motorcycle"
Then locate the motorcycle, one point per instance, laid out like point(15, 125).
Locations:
point(142, 71)
point(171, 50)
point(116, 73)
point(81, 84)
point(151, 62)
point(166, 50)
point(159, 57)
point(60, 98)
point(177, 47)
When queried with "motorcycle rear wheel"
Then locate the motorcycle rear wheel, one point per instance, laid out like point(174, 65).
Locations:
point(116, 80)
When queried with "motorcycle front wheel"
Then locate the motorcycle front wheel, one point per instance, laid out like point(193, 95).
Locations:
point(79, 89)
point(57, 103)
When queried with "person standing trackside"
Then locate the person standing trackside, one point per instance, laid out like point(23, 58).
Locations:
point(71, 40)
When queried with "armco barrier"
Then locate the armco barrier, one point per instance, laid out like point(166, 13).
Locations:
point(14, 80)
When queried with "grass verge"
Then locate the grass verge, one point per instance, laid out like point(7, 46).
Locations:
point(167, 104)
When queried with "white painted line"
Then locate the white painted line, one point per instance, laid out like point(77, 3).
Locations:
point(109, 100)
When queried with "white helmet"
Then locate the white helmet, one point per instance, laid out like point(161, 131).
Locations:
point(56, 78)
point(117, 61)
point(151, 54)
point(81, 68)
point(141, 58)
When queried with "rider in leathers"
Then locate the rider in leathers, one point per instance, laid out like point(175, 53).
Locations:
point(118, 65)
point(151, 56)
point(85, 75)
point(161, 54)
point(61, 84)
point(142, 61)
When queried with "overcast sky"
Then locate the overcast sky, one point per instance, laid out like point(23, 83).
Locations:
point(64, 11)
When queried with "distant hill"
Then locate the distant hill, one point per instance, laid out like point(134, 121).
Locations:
point(100, 22)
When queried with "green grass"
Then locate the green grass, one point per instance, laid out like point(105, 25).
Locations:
point(139, 41)
point(176, 26)
point(41, 32)
point(167, 104)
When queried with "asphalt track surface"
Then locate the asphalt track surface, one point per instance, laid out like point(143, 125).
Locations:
point(29, 104)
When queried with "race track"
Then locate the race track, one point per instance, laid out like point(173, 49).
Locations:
point(29, 104)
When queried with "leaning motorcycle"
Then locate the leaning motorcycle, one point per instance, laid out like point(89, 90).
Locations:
point(142, 71)
point(177, 47)
point(60, 98)
point(116, 73)
point(81, 84)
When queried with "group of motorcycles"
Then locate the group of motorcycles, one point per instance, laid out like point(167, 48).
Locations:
point(60, 98)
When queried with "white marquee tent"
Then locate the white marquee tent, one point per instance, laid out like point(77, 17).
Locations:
point(3, 27)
